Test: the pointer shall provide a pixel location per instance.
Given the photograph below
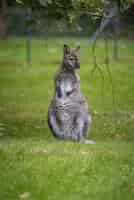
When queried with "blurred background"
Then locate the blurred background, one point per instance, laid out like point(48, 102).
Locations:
point(59, 18)
point(33, 164)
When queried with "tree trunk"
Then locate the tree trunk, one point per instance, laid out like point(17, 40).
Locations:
point(3, 19)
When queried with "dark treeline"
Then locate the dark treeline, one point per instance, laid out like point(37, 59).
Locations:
point(13, 21)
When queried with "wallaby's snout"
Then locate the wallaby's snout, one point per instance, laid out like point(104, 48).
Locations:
point(77, 65)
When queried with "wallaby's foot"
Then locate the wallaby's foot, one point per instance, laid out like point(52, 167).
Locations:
point(89, 142)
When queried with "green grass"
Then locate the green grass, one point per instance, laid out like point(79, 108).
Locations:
point(36, 166)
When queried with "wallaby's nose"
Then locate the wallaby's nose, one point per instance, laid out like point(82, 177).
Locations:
point(77, 65)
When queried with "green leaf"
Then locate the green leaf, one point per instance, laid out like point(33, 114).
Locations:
point(19, 1)
point(45, 2)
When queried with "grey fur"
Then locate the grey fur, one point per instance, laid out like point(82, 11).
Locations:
point(68, 115)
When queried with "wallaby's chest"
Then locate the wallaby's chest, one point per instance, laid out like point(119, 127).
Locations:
point(66, 84)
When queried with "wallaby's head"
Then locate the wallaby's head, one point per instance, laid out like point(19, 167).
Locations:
point(71, 58)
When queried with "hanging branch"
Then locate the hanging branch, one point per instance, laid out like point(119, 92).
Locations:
point(96, 67)
point(110, 79)
point(108, 70)
point(110, 19)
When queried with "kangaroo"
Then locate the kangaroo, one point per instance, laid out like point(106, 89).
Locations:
point(68, 115)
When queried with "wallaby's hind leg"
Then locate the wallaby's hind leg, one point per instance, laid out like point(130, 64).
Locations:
point(85, 133)
point(81, 129)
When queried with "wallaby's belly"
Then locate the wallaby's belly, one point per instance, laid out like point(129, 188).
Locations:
point(67, 111)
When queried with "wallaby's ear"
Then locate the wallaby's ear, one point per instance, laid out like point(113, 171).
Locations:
point(77, 48)
point(66, 49)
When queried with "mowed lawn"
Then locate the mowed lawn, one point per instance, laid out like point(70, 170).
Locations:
point(36, 166)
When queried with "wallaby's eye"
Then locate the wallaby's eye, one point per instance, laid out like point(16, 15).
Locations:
point(69, 93)
point(71, 59)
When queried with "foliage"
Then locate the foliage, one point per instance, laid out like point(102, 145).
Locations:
point(71, 9)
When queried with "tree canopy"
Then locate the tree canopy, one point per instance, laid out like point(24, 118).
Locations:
point(71, 10)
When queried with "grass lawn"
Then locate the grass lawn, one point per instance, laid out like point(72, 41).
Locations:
point(36, 166)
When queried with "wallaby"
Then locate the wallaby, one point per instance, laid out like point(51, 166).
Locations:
point(68, 115)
